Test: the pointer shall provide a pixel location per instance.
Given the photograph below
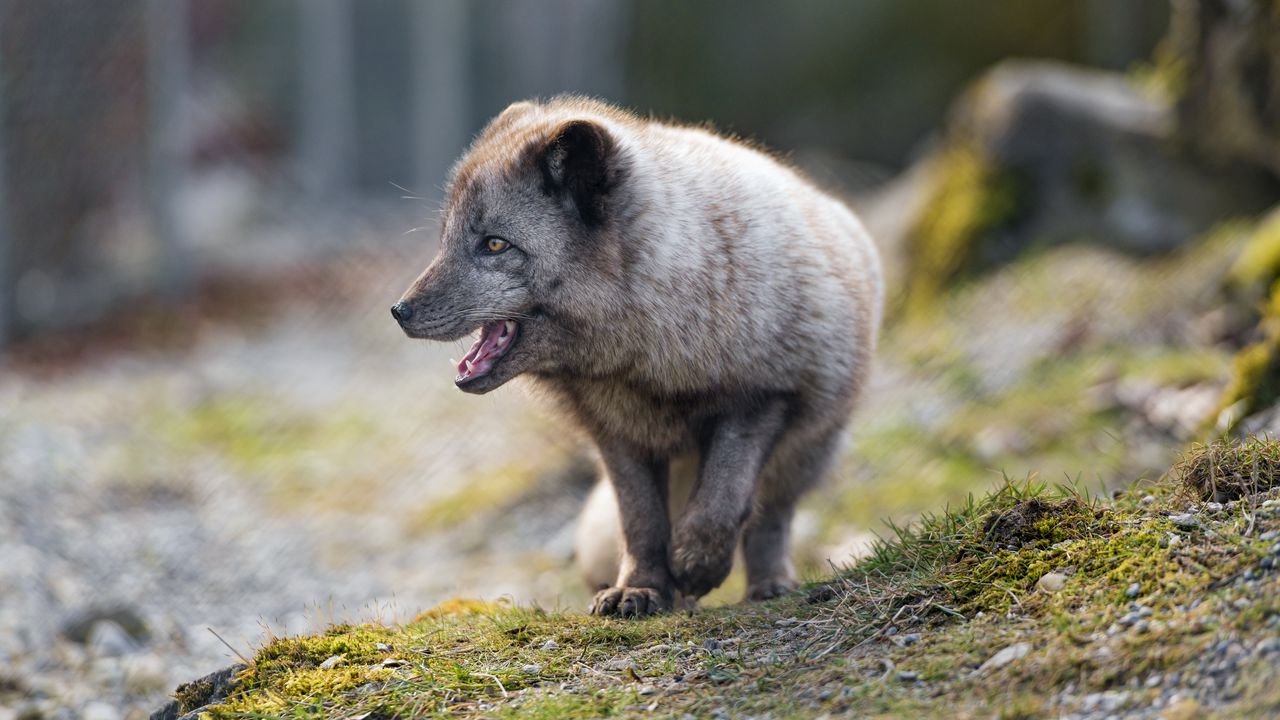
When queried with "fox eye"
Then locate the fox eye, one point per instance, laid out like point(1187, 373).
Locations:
point(494, 245)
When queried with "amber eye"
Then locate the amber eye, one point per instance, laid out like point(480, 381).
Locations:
point(495, 245)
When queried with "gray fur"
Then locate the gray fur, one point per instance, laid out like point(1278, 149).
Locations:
point(678, 293)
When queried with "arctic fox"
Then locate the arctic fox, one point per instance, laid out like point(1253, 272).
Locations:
point(705, 313)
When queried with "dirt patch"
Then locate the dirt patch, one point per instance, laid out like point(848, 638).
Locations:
point(1037, 523)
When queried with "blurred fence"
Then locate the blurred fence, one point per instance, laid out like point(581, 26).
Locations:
point(146, 143)
point(140, 134)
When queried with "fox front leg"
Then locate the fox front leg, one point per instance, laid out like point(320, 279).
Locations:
point(707, 533)
point(644, 585)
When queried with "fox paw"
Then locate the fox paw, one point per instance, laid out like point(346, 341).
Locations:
point(701, 558)
point(631, 602)
point(770, 588)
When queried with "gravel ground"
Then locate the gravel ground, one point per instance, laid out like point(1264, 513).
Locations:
point(131, 533)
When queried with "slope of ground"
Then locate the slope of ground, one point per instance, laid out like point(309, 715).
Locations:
point(1033, 602)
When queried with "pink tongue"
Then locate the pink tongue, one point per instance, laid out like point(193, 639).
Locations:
point(480, 359)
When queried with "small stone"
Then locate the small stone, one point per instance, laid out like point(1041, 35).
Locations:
point(1275, 549)
point(394, 663)
point(1185, 520)
point(1269, 535)
point(108, 639)
point(711, 645)
point(1142, 626)
point(1051, 582)
point(98, 710)
point(1133, 590)
point(646, 690)
point(333, 661)
point(78, 628)
point(907, 676)
point(383, 647)
point(1267, 563)
point(1147, 499)
point(1153, 681)
point(1182, 708)
point(1213, 507)
point(907, 639)
point(1268, 646)
point(531, 669)
point(551, 645)
point(1013, 652)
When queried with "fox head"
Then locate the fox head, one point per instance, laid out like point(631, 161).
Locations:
point(528, 241)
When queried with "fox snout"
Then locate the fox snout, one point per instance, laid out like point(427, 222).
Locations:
point(402, 312)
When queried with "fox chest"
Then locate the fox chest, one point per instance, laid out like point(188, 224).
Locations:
point(662, 425)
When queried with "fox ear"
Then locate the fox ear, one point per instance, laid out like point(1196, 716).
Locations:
point(577, 165)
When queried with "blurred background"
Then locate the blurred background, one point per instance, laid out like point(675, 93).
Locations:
point(211, 430)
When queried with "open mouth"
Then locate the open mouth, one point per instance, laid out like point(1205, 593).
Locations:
point(496, 338)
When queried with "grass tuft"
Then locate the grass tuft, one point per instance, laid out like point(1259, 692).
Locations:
point(1225, 470)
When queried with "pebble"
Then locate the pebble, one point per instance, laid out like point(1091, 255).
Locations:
point(383, 647)
point(1013, 652)
point(1269, 535)
point(1185, 520)
point(1133, 590)
point(1109, 701)
point(531, 669)
point(98, 710)
point(647, 690)
point(551, 645)
point(908, 676)
point(1147, 499)
point(907, 639)
point(1213, 507)
point(108, 639)
point(333, 661)
point(1051, 582)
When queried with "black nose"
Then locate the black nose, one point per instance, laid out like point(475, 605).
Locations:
point(401, 312)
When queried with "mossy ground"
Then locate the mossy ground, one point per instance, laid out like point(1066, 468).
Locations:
point(905, 632)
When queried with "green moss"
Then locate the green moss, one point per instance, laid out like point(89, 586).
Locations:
point(971, 197)
point(484, 491)
point(1254, 382)
point(193, 695)
point(1164, 78)
point(1257, 267)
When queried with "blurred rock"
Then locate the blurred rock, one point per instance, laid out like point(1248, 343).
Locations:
point(1039, 153)
point(79, 627)
point(108, 639)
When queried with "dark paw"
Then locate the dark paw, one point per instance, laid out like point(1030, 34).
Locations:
point(631, 602)
point(770, 588)
point(701, 558)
